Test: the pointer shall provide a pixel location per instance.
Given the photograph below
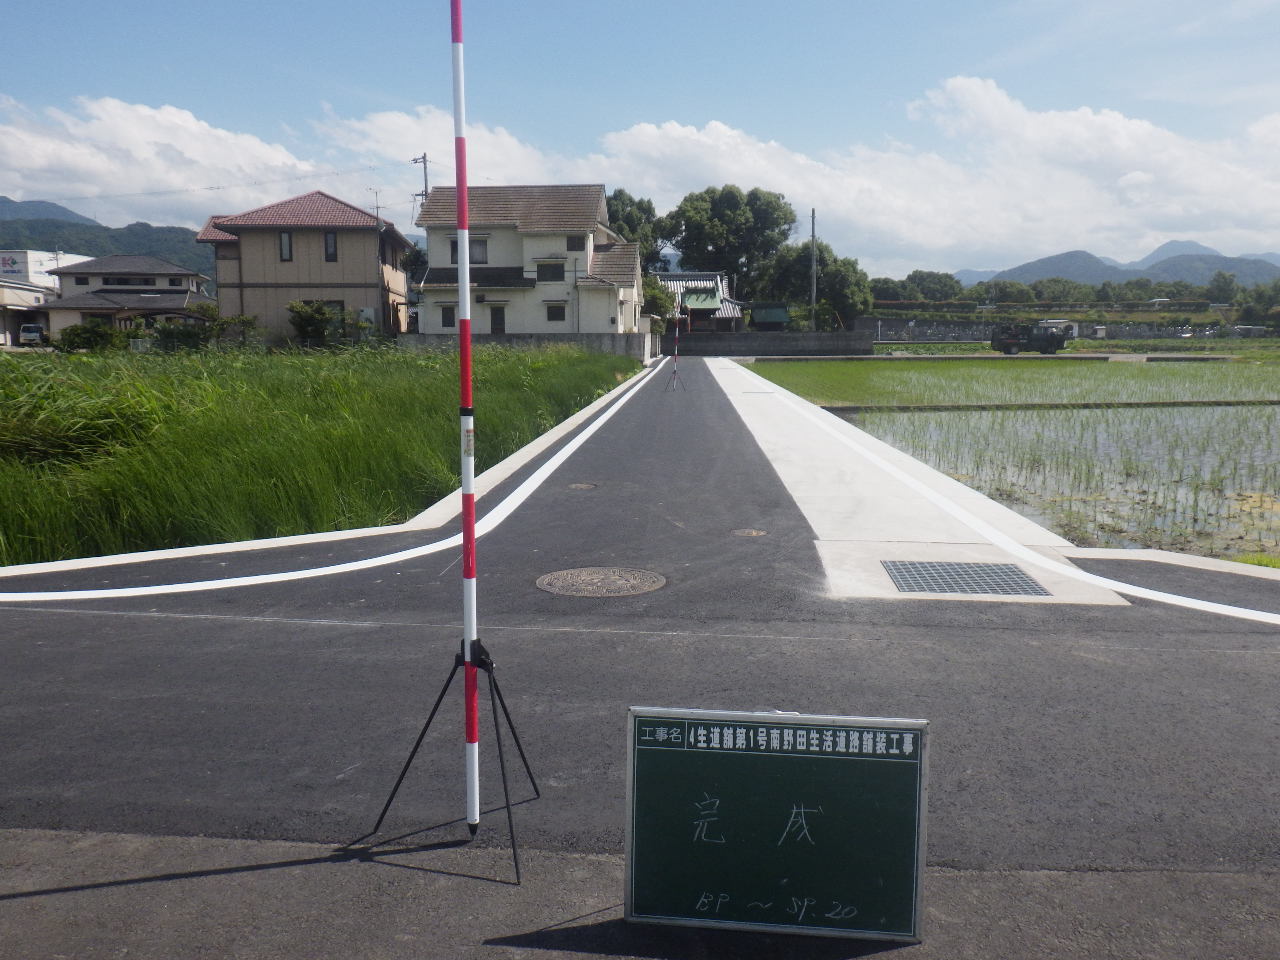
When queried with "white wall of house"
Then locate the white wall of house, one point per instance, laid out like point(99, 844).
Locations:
point(585, 309)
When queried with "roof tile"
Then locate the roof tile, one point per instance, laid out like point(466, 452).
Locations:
point(548, 208)
point(315, 209)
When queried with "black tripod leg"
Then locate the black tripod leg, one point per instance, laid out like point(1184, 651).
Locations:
point(502, 765)
point(496, 692)
point(414, 752)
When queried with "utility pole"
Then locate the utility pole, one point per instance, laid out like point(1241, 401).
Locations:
point(813, 266)
point(425, 187)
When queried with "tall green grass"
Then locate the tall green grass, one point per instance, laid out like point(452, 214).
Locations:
point(113, 453)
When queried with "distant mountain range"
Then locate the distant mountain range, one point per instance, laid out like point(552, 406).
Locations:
point(39, 210)
point(41, 225)
point(175, 244)
point(1176, 260)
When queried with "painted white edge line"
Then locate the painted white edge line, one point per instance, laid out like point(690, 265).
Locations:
point(484, 525)
point(438, 514)
point(831, 424)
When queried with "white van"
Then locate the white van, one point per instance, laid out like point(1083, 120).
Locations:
point(32, 335)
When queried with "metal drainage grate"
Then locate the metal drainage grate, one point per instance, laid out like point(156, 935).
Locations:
point(911, 576)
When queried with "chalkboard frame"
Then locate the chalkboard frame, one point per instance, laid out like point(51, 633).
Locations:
point(919, 727)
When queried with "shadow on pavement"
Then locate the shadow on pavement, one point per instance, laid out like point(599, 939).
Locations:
point(616, 937)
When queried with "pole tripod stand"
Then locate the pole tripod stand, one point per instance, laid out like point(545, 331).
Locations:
point(674, 382)
point(483, 661)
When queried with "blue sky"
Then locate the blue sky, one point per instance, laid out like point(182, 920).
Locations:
point(927, 134)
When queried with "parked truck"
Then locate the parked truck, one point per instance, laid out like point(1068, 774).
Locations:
point(1010, 338)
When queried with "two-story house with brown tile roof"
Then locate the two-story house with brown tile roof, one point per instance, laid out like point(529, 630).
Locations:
point(314, 247)
point(543, 261)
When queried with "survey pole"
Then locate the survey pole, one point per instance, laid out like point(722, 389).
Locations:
point(466, 416)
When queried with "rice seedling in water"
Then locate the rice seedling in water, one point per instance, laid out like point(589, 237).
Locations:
point(1199, 479)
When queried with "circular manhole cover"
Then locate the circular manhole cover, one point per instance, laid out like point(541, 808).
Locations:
point(749, 532)
point(601, 582)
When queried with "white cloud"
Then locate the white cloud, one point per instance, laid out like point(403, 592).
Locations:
point(120, 162)
point(1008, 184)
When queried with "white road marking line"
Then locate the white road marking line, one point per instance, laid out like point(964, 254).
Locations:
point(484, 525)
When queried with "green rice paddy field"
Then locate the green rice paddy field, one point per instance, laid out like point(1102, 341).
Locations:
point(1156, 472)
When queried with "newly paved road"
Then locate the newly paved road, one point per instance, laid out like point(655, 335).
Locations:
point(178, 768)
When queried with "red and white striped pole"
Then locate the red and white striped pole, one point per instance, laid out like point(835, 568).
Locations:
point(466, 413)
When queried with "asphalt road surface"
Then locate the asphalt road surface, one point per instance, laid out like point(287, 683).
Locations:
point(179, 767)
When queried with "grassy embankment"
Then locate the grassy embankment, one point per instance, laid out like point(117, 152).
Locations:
point(104, 454)
point(1203, 479)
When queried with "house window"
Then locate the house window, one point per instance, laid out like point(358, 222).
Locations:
point(286, 246)
point(175, 281)
point(555, 312)
point(575, 243)
point(331, 246)
point(479, 250)
point(82, 281)
point(550, 272)
point(447, 316)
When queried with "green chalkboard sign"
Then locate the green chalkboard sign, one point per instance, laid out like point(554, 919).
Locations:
point(777, 822)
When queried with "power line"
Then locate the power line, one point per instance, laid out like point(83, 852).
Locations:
point(228, 186)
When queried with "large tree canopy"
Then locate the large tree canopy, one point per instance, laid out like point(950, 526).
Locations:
point(635, 219)
point(998, 291)
point(841, 282)
point(722, 228)
point(887, 288)
point(934, 285)
point(1062, 290)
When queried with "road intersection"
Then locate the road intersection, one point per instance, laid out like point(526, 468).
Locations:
point(1103, 776)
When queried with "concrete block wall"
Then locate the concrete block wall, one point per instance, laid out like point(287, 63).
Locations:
point(641, 346)
point(836, 344)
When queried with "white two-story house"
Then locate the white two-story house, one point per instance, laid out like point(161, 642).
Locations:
point(543, 261)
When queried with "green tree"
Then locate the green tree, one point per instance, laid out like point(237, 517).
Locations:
point(722, 228)
point(414, 263)
point(1000, 291)
point(1062, 290)
point(1139, 288)
point(1260, 304)
point(934, 285)
point(659, 302)
point(93, 334)
point(317, 324)
point(635, 220)
point(886, 288)
point(1175, 289)
point(1222, 288)
point(842, 285)
point(214, 326)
